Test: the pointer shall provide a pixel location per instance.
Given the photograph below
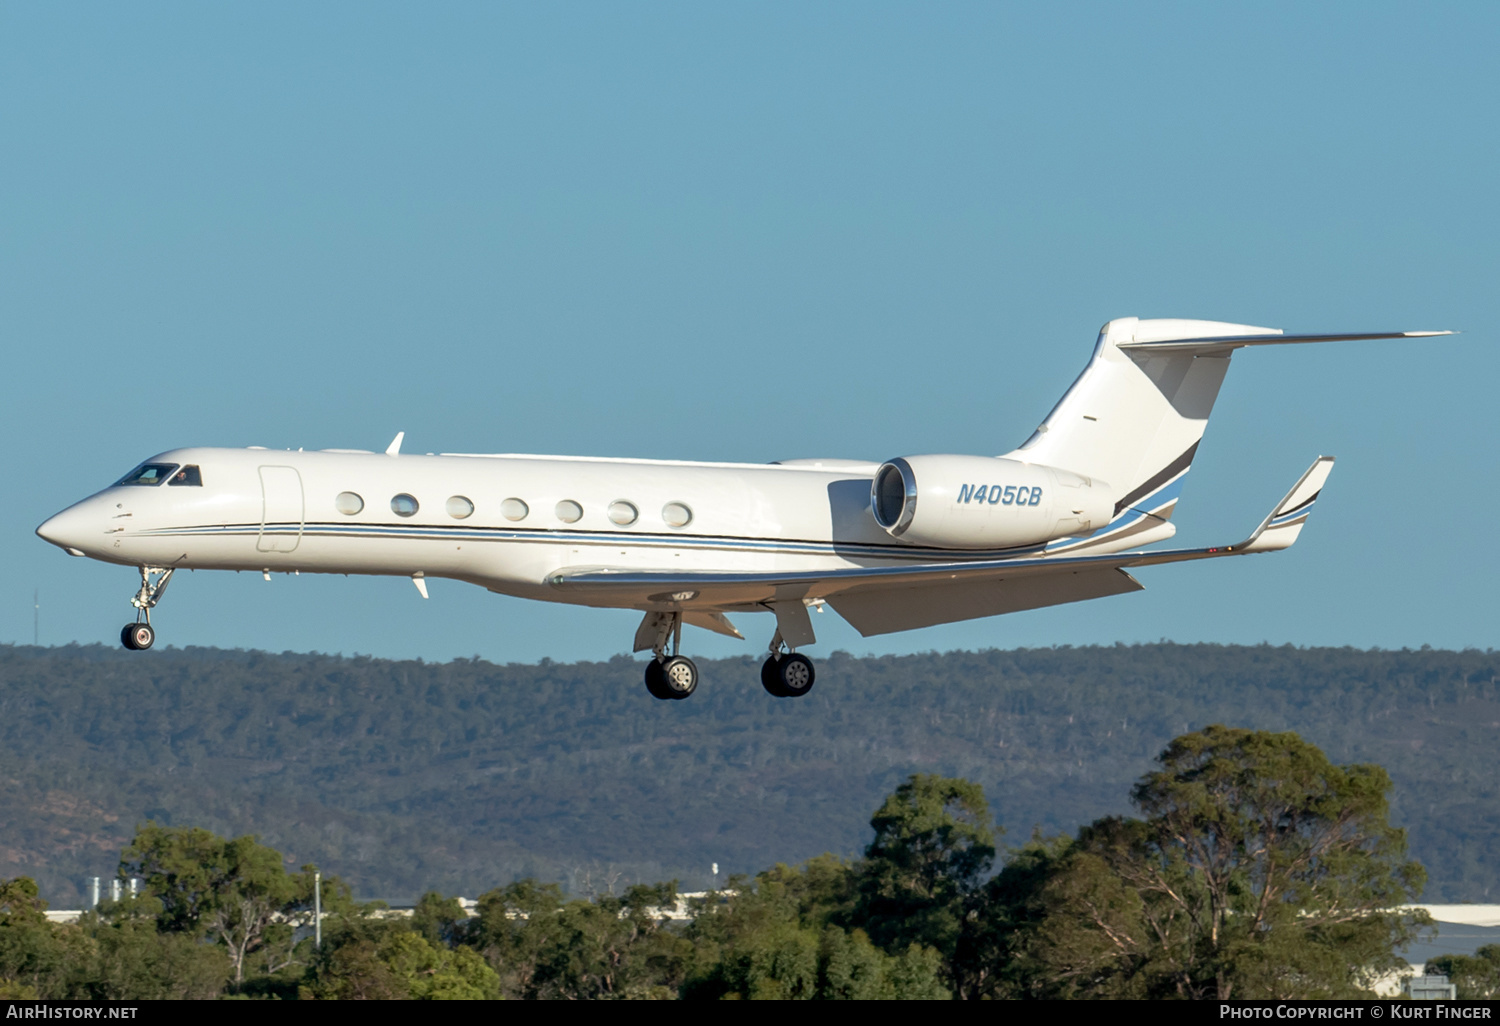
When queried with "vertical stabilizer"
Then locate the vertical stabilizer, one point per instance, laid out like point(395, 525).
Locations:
point(1134, 418)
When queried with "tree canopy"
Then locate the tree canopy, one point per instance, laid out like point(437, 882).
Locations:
point(1476, 976)
point(1258, 869)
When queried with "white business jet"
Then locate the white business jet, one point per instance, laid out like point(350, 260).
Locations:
point(893, 546)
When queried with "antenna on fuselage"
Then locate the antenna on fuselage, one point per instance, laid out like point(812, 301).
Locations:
point(394, 449)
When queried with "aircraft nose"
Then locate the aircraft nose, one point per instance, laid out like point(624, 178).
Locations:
point(70, 529)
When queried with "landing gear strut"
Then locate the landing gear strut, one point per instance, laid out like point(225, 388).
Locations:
point(670, 676)
point(141, 635)
point(786, 674)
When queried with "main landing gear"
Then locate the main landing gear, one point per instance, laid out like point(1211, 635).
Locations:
point(140, 635)
point(670, 676)
point(786, 674)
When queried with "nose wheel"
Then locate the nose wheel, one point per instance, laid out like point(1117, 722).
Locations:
point(140, 635)
point(137, 636)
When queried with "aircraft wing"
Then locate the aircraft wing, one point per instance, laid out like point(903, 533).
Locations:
point(882, 599)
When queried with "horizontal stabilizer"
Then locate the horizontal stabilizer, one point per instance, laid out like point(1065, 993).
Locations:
point(1214, 345)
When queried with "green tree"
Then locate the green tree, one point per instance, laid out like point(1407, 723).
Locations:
point(130, 960)
point(1259, 870)
point(36, 959)
point(353, 971)
point(369, 954)
point(236, 892)
point(824, 889)
point(515, 929)
point(1477, 976)
point(777, 962)
point(612, 947)
point(438, 919)
point(21, 902)
point(778, 938)
point(922, 876)
point(435, 973)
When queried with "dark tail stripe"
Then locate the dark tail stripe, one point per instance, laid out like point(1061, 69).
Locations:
point(1160, 478)
point(1301, 505)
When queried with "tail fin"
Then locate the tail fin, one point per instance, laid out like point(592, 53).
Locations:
point(1135, 415)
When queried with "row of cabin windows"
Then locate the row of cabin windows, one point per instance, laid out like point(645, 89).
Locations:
point(461, 507)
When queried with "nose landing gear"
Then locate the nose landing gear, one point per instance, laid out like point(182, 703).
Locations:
point(140, 635)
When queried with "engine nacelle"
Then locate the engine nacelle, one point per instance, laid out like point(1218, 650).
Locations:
point(979, 502)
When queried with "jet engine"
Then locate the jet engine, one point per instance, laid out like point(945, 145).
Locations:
point(979, 502)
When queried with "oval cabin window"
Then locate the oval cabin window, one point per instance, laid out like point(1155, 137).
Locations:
point(459, 507)
point(349, 503)
point(677, 514)
point(404, 505)
point(622, 512)
point(569, 512)
point(514, 509)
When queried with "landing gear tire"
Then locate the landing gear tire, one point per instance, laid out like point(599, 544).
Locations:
point(667, 676)
point(788, 676)
point(656, 680)
point(770, 679)
point(679, 677)
point(137, 636)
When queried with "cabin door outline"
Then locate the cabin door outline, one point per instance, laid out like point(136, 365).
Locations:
point(281, 511)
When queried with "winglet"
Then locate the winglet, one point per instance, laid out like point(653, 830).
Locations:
point(1281, 528)
point(395, 447)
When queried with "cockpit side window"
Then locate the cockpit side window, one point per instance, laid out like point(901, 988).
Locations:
point(188, 475)
point(149, 474)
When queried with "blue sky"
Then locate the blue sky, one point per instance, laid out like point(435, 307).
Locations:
point(752, 232)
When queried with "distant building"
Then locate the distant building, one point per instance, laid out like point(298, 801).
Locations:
point(1429, 988)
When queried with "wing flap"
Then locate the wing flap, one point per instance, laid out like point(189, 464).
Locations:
point(874, 611)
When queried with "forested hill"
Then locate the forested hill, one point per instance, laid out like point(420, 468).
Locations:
point(405, 776)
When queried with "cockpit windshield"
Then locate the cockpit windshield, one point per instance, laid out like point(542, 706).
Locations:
point(188, 475)
point(150, 474)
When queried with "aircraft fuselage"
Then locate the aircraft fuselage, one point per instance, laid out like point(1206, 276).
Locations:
point(501, 522)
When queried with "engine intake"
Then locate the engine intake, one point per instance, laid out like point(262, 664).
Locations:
point(980, 502)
